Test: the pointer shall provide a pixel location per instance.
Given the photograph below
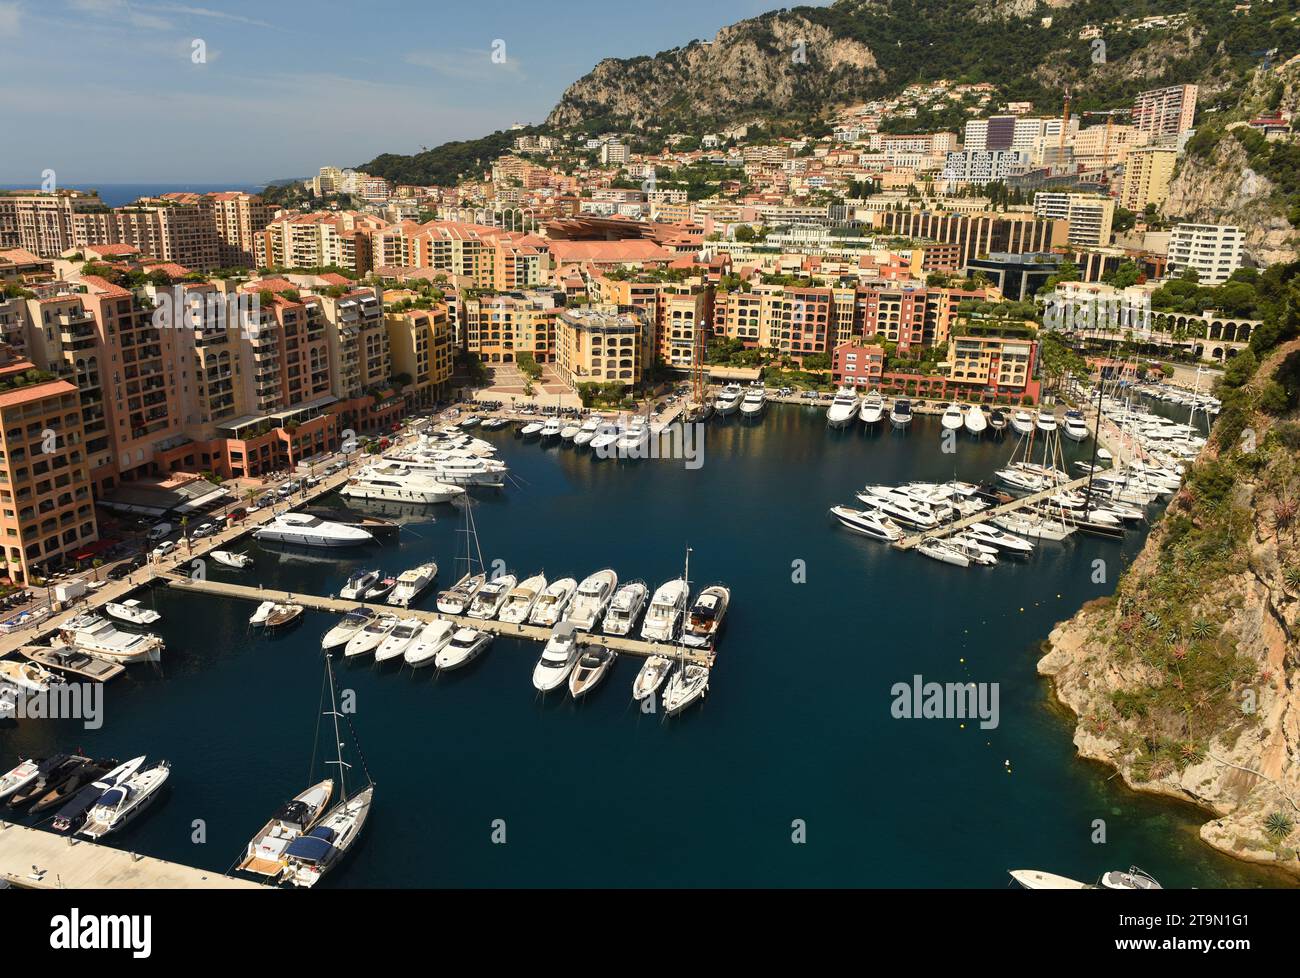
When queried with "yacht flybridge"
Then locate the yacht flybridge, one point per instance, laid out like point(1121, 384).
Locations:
point(98, 637)
point(843, 409)
point(393, 483)
point(900, 415)
point(873, 408)
point(728, 400)
point(591, 599)
point(754, 401)
point(666, 610)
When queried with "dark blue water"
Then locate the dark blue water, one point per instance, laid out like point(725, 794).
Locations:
point(118, 194)
point(796, 726)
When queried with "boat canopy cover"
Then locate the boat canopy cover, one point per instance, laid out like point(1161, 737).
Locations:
point(312, 847)
point(294, 812)
point(564, 629)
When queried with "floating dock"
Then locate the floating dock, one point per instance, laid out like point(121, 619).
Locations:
point(33, 859)
point(535, 633)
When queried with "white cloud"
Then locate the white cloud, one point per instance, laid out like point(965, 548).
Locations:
point(467, 64)
point(176, 8)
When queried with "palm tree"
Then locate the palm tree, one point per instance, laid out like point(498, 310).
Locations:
point(185, 521)
point(97, 563)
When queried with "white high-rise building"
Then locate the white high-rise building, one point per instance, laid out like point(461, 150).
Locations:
point(1212, 250)
point(1090, 215)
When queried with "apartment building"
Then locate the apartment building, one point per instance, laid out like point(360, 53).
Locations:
point(48, 224)
point(1148, 171)
point(1213, 251)
point(981, 166)
point(420, 343)
point(992, 366)
point(497, 328)
point(976, 234)
point(1089, 216)
point(675, 311)
point(602, 344)
point(238, 218)
point(1107, 145)
point(858, 365)
point(180, 229)
point(1165, 112)
point(340, 239)
point(47, 513)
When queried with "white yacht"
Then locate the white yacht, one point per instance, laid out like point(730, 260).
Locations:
point(552, 428)
point(399, 485)
point(1036, 879)
point(342, 633)
point(569, 432)
point(265, 853)
point(489, 598)
point(98, 637)
point(27, 676)
point(752, 404)
point(228, 558)
point(591, 599)
point(634, 437)
point(132, 612)
point(369, 638)
point(433, 638)
point(1022, 422)
point(1006, 542)
point(552, 602)
point(952, 418)
point(261, 613)
point(1045, 421)
point(357, 585)
point(532, 429)
point(899, 507)
point(607, 435)
point(873, 408)
point(943, 552)
point(706, 617)
point(411, 584)
point(900, 415)
point(684, 688)
point(1033, 526)
point(469, 470)
point(397, 641)
point(124, 802)
point(653, 672)
point(588, 431)
point(591, 667)
point(1075, 427)
point(557, 658)
point(843, 409)
point(465, 646)
point(977, 551)
point(976, 422)
point(521, 599)
point(728, 400)
point(666, 610)
point(310, 856)
point(456, 598)
point(625, 608)
point(310, 531)
point(868, 522)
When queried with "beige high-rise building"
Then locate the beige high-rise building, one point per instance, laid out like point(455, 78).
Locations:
point(602, 344)
point(420, 343)
point(1165, 111)
point(1147, 175)
point(1089, 216)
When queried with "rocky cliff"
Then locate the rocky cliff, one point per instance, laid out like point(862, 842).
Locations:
point(1186, 680)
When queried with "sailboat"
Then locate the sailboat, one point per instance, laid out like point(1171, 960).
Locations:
point(265, 852)
point(310, 856)
point(457, 598)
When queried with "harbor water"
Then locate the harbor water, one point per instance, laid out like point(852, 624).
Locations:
point(793, 771)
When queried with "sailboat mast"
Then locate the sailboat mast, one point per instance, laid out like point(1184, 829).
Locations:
point(1096, 439)
point(334, 716)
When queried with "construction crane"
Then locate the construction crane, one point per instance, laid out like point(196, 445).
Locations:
point(1065, 124)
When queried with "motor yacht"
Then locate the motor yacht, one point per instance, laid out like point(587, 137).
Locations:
point(522, 598)
point(625, 608)
point(380, 590)
point(356, 586)
point(552, 428)
point(27, 676)
point(591, 599)
point(654, 671)
point(591, 667)
point(868, 522)
point(1022, 422)
point(343, 632)
point(587, 432)
point(310, 531)
point(228, 558)
point(1033, 526)
point(685, 687)
point(470, 470)
point(1075, 427)
point(706, 617)
point(433, 638)
point(265, 852)
point(488, 599)
point(396, 484)
point(533, 429)
point(752, 404)
point(1045, 421)
point(411, 584)
point(899, 506)
point(952, 419)
point(569, 432)
point(73, 814)
point(19, 777)
point(634, 438)
point(943, 552)
point(1006, 542)
point(132, 612)
point(553, 602)
point(843, 408)
point(666, 610)
point(70, 662)
point(976, 422)
point(557, 658)
point(51, 774)
point(728, 400)
point(900, 415)
point(123, 803)
point(397, 641)
point(606, 438)
point(99, 637)
point(998, 421)
point(369, 638)
point(975, 550)
point(465, 646)
point(282, 615)
point(456, 599)
point(873, 408)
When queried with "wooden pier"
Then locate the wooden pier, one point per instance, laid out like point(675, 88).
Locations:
point(34, 859)
point(535, 633)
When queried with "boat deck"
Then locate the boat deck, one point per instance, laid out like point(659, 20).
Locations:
point(34, 859)
point(536, 633)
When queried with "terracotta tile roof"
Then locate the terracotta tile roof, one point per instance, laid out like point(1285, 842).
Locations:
point(36, 392)
point(629, 250)
point(101, 286)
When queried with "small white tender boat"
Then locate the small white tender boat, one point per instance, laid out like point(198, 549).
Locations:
point(262, 613)
point(228, 558)
point(132, 612)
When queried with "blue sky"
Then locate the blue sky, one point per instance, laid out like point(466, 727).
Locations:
point(108, 91)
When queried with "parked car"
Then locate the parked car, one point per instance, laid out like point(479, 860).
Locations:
point(163, 549)
point(159, 530)
point(118, 571)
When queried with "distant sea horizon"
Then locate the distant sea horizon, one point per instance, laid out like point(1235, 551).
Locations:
point(117, 194)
